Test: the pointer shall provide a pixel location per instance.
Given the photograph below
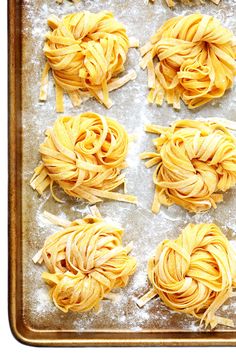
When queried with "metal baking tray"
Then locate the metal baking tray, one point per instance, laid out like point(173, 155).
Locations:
point(33, 318)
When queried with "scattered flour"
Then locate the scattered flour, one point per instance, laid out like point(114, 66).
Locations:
point(141, 226)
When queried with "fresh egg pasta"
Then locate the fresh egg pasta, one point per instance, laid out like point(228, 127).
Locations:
point(84, 155)
point(194, 274)
point(190, 58)
point(85, 261)
point(85, 52)
point(195, 161)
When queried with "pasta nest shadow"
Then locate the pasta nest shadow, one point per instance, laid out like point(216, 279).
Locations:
point(190, 57)
point(195, 273)
point(85, 261)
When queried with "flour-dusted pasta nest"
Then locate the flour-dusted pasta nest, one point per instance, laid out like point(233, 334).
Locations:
point(85, 261)
point(195, 161)
point(190, 58)
point(84, 155)
point(195, 273)
point(86, 52)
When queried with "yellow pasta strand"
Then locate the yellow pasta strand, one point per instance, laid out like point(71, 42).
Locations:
point(194, 274)
point(194, 162)
point(86, 52)
point(190, 58)
point(85, 261)
point(84, 155)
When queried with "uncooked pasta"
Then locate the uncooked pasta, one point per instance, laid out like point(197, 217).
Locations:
point(194, 274)
point(85, 261)
point(171, 3)
point(85, 52)
point(61, 1)
point(84, 155)
point(190, 58)
point(195, 161)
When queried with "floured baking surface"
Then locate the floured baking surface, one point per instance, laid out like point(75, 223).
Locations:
point(144, 228)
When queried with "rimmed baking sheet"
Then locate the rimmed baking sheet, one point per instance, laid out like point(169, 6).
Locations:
point(34, 319)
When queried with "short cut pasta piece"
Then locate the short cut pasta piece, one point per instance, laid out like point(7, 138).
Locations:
point(194, 274)
point(85, 261)
point(195, 161)
point(190, 58)
point(86, 52)
point(84, 155)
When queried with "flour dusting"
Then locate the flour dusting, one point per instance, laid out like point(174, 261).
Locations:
point(142, 227)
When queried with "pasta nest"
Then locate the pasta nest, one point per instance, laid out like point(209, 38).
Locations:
point(85, 52)
point(195, 161)
point(85, 261)
point(190, 57)
point(84, 155)
point(195, 273)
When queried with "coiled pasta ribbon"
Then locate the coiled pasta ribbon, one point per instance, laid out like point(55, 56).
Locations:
point(86, 52)
point(84, 155)
point(194, 274)
point(190, 58)
point(85, 261)
point(195, 161)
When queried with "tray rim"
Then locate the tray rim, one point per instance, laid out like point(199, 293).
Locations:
point(20, 331)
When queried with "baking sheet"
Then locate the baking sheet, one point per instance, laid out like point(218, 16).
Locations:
point(141, 226)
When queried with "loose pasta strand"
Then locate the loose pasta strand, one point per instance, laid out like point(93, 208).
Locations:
point(171, 3)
